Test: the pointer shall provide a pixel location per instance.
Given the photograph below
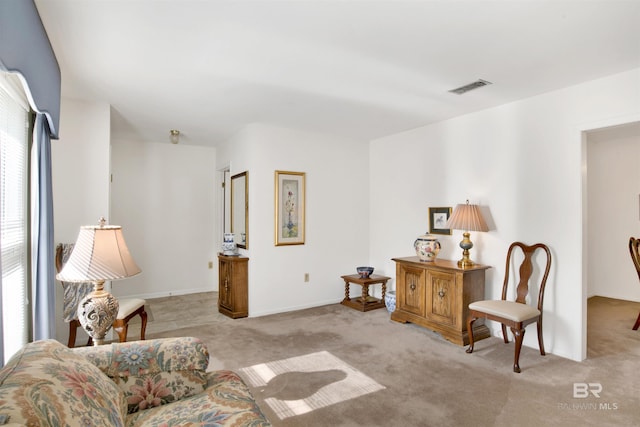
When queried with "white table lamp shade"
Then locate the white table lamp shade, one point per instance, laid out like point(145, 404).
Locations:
point(100, 253)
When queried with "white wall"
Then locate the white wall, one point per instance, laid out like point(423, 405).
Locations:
point(164, 196)
point(523, 162)
point(337, 215)
point(80, 163)
point(613, 210)
point(80, 175)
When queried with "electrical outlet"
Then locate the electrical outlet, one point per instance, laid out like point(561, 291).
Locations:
point(306, 277)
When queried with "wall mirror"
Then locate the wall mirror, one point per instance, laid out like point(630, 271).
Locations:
point(240, 209)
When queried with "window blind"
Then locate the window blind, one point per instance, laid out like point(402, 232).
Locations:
point(14, 130)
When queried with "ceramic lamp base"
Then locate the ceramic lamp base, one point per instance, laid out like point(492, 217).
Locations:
point(96, 313)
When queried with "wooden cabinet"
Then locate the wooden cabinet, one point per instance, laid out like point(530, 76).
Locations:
point(437, 294)
point(233, 292)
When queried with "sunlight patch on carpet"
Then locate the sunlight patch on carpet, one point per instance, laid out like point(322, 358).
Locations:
point(302, 384)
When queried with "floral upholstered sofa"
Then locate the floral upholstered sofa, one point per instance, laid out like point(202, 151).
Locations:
point(160, 382)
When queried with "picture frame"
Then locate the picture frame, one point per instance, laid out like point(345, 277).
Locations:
point(438, 218)
point(290, 198)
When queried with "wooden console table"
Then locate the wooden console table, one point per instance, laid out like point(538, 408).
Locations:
point(364, 302)
point(437, 295)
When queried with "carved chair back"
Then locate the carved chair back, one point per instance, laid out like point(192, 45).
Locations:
point(526, 271)
point(635, 257)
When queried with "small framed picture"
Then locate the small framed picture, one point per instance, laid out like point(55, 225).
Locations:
point(438, 218)
point(289, 212)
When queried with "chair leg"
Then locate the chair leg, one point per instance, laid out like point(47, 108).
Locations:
point(73, 326)
point(519, 337)
point(637, 324)
point(540, 342)
point(121, 328)
point(505, 337)
point(143, 328)
point(470, 332)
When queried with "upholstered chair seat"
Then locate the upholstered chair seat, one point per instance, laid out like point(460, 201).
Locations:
point(514, 311)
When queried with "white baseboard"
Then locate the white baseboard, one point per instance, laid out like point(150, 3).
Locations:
point(292, 308)
point(169, 293)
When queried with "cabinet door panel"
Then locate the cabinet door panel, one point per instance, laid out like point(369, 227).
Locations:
point(413, 290)
point(224, 290)
point(233, 289)
point(441, 297)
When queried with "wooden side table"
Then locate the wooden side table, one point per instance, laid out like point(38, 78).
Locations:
point(233, 290)
point(364, 302)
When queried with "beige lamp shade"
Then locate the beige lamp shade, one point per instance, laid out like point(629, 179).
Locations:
point(100, 253)
point(467, 217)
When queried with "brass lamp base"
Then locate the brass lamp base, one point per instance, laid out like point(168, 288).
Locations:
point(97, 311)
point(465, 244)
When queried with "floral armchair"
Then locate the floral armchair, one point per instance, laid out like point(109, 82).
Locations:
point(140, 383)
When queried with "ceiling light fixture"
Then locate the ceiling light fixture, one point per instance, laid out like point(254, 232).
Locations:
point(471, 86)
point(174, 136)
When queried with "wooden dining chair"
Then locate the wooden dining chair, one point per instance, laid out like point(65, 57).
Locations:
point(633, 249)
point(515, 314)
point(73, 293)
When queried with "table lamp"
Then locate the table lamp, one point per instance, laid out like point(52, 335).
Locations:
point(99, 254)
point(467, 218)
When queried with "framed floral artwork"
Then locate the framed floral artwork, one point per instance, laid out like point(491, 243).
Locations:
point(289, 204)
point(438, 218)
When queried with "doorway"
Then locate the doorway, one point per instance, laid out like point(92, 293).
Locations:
point(612, 211)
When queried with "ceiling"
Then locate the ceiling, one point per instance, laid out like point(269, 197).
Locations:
point(356, 69)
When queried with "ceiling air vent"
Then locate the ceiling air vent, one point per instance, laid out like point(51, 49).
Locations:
point(471, 86)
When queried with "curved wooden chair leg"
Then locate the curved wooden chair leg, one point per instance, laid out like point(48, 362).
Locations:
point(121, 329)
point(121, 326)
point(519, 337)
point(637, 324)
point(540, 342)
point(143, 328)
point(505, 337)
point(470, 332)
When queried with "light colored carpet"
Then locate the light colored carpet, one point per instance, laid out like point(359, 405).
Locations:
point(424, 379)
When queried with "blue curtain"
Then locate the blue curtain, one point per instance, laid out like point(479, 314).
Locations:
point(26, 50)
point(42, 245)
point(1, 324)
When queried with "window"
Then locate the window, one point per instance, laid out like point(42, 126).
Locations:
point(14, 137)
